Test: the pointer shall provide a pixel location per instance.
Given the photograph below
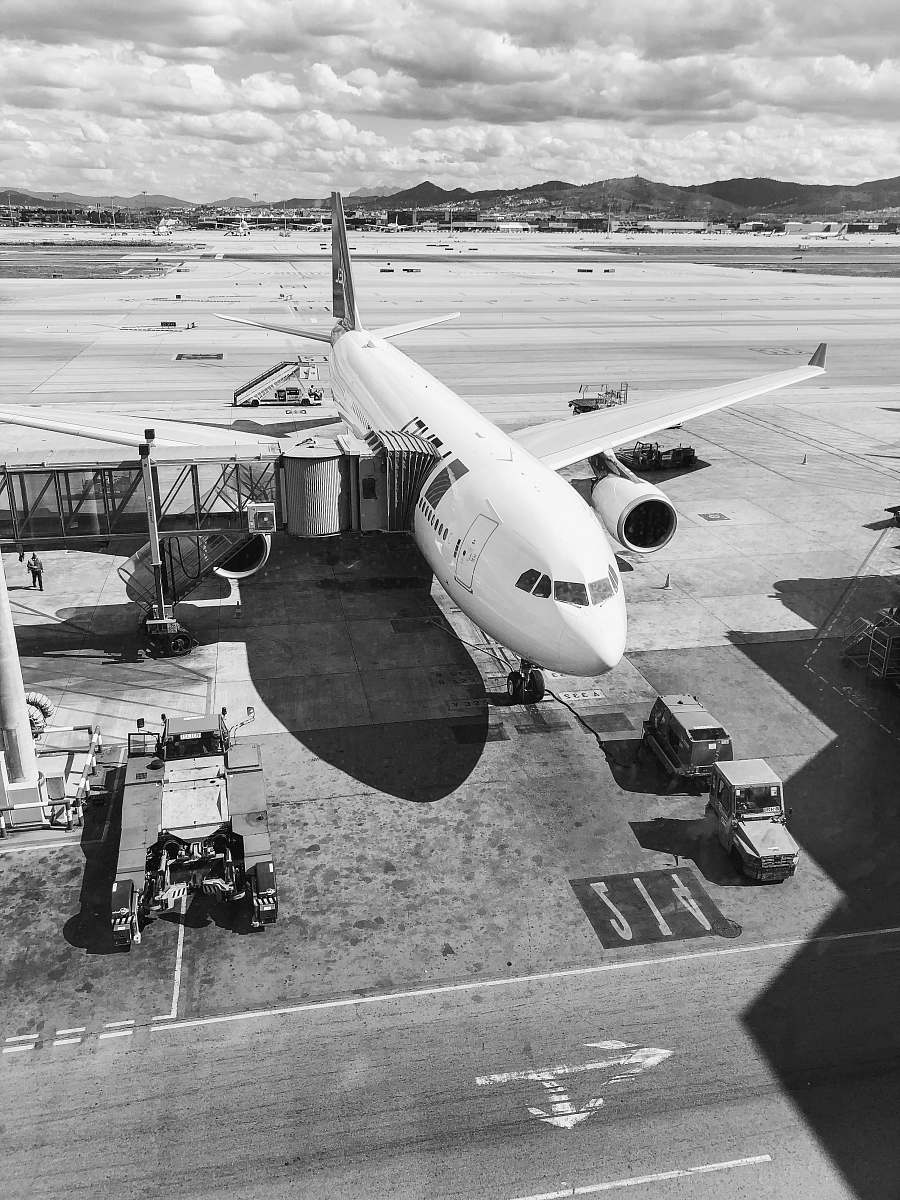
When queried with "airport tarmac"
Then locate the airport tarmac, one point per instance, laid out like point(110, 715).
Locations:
point(441, 1010)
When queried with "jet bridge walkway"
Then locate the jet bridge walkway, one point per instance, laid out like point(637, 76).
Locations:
point(201, 511)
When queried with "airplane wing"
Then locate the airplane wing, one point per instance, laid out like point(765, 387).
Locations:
point(559, 443)
point(130, 431)
point(314, 335)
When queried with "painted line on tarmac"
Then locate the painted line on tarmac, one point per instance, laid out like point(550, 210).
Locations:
point(75, 844)
point(114, 1033)
point(73, 1041)
point(22, 1037)
point(513, 980)
point(591, 1189)
point(18, 1049)
point(118, 1024)
point(67, 1032)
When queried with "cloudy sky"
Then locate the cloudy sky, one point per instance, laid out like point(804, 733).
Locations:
point(207, 98)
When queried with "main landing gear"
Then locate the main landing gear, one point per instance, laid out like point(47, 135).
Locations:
point(525, 686)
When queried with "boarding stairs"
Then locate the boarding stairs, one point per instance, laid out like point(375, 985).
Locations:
point(874, 644)
point(263, 388)
point(188, 559)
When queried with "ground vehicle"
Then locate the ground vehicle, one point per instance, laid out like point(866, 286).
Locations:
point(647, 456)
point(193, 820)
point(747, 802)
point(685, 737)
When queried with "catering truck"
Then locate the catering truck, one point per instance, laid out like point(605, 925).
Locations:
point(193, 820)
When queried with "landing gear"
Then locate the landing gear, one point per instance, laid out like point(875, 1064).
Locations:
point(525, 686)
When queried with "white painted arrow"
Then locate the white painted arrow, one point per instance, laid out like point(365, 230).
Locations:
point(563, 1113)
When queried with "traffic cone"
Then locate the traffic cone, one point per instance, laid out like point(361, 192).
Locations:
point(803, 464)
point(667, 583)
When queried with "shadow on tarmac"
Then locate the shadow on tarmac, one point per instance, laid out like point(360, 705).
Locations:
point(346, 648)
point(829, 1023)
point(691, 840)
point(90, 928)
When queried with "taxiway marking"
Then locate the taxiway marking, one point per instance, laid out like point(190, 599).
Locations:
point(612, 1185)
point(114, 1033)
point(563, 1113)
point(426, 993)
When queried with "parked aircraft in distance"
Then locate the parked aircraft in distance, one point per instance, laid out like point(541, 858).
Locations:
point(510, 541)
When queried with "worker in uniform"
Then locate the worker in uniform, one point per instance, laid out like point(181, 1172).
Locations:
point(36, 568)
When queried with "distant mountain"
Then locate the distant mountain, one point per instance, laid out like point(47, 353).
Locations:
point(150, 200)
point(19, 198)
point(775, 196)
point(232, 202)
point(737, 198)
point(424, 195)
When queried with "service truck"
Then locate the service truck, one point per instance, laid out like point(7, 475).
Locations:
point(686, 738)
point(746, 800)
point(193, 820)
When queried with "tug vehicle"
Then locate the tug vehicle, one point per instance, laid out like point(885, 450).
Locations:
point(193, 820)
point(747, 801)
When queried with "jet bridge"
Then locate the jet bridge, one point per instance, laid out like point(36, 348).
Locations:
point(202, 503)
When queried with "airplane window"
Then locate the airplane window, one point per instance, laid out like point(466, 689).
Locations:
point(527, 580)
point(570, 593)
point(600, 590)
point(542, 591)
point(613, 578)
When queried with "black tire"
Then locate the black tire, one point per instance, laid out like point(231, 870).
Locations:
point(515, 687)
point(534, 687)
point(180, 643)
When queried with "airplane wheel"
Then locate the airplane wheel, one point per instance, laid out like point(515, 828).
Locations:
point(515, 687)
point(534, 687)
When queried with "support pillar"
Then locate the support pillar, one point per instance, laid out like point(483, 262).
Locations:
point(15, 728)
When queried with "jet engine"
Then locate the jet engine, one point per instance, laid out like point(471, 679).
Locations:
point(249, 558)
point(637, 514)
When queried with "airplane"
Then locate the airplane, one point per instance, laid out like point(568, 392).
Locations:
point(513, 545)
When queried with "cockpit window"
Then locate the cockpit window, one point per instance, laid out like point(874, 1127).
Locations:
point(543, 587)
point(527, 580)
point(570, 593)
point(600, 590)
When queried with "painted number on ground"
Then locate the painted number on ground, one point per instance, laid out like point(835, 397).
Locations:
point(647, 906)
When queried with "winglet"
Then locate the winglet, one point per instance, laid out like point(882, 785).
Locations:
point(818, 359)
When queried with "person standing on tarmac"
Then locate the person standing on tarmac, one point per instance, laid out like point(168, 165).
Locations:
point(36, 567)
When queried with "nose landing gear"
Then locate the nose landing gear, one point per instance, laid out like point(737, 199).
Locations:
point(525, 686)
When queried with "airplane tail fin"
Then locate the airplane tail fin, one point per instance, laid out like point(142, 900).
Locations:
point(343, 299)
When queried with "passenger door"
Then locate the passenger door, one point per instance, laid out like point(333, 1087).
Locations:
point(470, 550)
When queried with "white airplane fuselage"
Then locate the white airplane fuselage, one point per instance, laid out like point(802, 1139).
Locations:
point(503, 514)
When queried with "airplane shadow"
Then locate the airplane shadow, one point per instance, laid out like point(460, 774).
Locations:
point(344, 645)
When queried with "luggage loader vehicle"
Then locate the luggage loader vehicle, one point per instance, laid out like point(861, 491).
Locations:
point(747, 802)
point(686, 738)
point(193, 820)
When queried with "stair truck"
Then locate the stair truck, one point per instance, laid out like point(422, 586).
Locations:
point(193, 820)
point(746, 801)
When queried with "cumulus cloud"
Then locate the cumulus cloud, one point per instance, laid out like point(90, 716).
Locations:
point(206, 96)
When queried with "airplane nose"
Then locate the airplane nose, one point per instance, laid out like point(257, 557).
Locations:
point(596, 644)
